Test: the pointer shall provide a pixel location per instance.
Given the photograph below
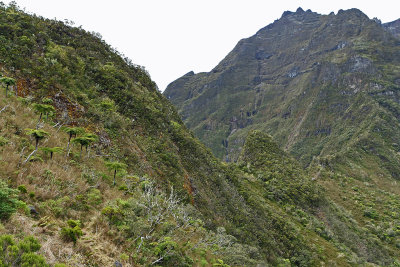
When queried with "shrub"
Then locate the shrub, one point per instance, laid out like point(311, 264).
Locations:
point(22, 189)
point(3, 141)
point(58, 207)
point(32, 259)
point(72, 232)
point(48, 174)
point(35, 159)
point(46, 100)
point(8, 201)
point(94, 197)
point(204, 262)
point(25, 100)
point(124, 257)
point(123, 187)
point(107, 105)
point(171, 254)
point(21, 253)
point(29, 244)
point(371, 213)
point(74, 223)
point(112, 213)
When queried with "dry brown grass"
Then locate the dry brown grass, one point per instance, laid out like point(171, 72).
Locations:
point(92, 247)
point(54, 180)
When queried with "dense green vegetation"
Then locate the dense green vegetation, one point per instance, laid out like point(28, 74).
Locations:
point(22, 253)
point(146, 191)
point(327, 92)
point(284, 179)
point(8, 201)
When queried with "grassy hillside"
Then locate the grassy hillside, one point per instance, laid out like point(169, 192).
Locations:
point(133, 185)
point(133, 222)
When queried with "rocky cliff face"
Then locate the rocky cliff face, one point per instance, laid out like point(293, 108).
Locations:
point(393, 27)
point(324, 86)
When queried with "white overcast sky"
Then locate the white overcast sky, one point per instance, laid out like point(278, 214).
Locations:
point(172, 37)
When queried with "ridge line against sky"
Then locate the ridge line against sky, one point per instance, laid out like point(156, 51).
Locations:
point(171, 38)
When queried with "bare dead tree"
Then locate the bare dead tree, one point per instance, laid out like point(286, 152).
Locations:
point(21, 155)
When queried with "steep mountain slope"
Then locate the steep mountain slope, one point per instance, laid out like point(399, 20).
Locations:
point(324, 86)
point(146, 191)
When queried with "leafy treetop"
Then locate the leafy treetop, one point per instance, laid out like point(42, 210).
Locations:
point(115, 166)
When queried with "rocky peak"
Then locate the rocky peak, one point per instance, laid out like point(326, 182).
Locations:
point(345, 15)
point(300, 13)
point(351, 12)
point(300, 52)
point(190, 73)
point(352, 17)
point(299, 10)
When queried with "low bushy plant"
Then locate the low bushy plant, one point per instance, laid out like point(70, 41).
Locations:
point(72, 232)
point(8, 201)
point(22, 189)
point(3, 141)
point(22, 253)
point(94, 197)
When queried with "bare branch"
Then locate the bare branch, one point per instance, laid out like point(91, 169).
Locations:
point(162, 257)
point(30, 155)
point(55, 125)
point(3, 109)
point(140, 245)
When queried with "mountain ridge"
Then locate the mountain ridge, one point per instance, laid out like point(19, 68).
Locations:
point(253, 64)
point(145, 191)
point(325, 87)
